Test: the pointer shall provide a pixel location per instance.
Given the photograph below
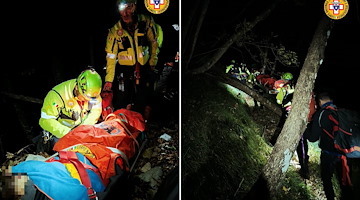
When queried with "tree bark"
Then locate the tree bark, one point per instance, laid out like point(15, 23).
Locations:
point(236, 36)
point(295, 124)
point(258, 97)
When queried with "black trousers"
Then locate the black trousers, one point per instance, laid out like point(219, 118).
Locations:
point(139, 95)
point(330, 164)
point(302, 152)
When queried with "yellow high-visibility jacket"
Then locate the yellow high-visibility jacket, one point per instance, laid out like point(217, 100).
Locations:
point(283, 92)
point(61, 111)
point(127, 49)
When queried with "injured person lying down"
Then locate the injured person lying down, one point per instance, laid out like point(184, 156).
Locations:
point(85, 163)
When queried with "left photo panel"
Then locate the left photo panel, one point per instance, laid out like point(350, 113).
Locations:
point(91, 100)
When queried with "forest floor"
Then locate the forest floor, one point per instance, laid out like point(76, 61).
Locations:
point(226, 143)
point(158, 158)
point(293, 178)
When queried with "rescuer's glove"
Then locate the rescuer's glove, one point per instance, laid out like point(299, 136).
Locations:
point(107, 86)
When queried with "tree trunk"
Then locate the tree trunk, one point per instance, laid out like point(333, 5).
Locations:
point(295, 124)
point(258, 97)
point(214, 58)
point(195, 35)
point(188, 16)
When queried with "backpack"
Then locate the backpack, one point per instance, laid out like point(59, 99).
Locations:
point(346, 131)
point(159, 35)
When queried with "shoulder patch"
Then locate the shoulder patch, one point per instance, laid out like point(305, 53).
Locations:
point(71, 103)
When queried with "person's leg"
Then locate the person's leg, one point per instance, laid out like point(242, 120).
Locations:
point(327, 169)
point(117, 94)
point(145, 92)
point(123, 87)
point(279, 127)
point(346, 190)
point(302, 150)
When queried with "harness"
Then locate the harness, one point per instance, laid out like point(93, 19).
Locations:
point(70, 157)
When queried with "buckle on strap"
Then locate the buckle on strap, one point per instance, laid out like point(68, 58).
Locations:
point(92, 193)
point(46, 136)
point(122, 155)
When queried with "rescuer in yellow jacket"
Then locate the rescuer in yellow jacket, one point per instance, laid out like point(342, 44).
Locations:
point(132, 44)
point(72, 103)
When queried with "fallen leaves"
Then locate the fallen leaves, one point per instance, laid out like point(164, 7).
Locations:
point(17, 157)
point(159, 158)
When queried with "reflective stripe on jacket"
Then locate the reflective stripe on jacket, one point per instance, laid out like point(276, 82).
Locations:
point(61, 111)
point(126, 49)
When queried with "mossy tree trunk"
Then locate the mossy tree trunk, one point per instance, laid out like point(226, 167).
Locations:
point(249, 91)
point(295, 124)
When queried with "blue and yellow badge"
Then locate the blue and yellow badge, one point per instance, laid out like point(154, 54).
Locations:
point(336, 9)
point(157, 6)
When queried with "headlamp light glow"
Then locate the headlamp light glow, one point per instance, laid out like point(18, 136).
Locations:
point(122, 6)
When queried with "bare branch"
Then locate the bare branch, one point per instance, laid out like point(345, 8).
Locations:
point(236, 36)
point(22, 97)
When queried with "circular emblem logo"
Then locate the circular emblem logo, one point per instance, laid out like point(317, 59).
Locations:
point(157, 6)
point(71, 103)
point(336, 9)
point(120, 32)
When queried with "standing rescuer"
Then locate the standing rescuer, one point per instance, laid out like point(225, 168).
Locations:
point(331, 161)
point(132, 44)
point(71, 103)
